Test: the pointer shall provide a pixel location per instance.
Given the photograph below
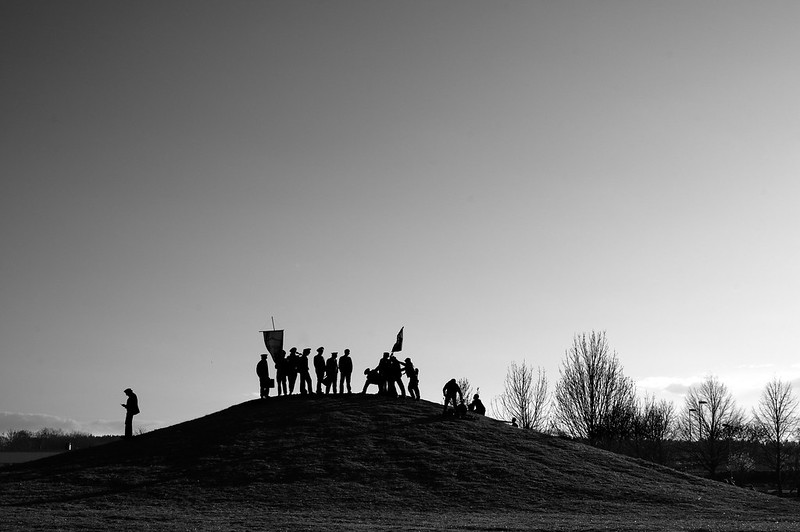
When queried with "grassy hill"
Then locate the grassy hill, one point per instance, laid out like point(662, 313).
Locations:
point(366, 463)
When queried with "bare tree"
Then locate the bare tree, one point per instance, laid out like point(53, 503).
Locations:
point(653, 426)
point(776, 414)
point(714, 409)
point(466, 387)
point(593, 399)
point(524, 396)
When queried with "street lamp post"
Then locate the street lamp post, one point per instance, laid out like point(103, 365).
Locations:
point(700, 417)
point(728, 436)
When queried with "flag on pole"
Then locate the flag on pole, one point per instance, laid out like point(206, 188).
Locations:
point(398, 345)
point(274, 341)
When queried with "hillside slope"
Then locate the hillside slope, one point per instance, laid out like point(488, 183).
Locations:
point(303, 462)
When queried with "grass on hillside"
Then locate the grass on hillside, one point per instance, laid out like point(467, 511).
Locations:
point(364, 463)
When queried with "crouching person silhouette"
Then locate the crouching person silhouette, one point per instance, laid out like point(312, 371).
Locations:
point(450, 390)
point(373, 377)
point(132, 408)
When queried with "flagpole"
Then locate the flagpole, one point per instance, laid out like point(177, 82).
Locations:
point(273, 322)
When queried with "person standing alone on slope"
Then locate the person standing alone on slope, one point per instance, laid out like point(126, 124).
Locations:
point(132, 408)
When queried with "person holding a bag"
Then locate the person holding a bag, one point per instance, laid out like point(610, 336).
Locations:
point(262, 370)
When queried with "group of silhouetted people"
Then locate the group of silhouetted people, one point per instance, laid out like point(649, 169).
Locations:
point(453, 395)
point(289, 367)
point(388, 377)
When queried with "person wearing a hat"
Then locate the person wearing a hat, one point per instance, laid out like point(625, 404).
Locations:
point(305, 376)
point(262, 370)
point(279, 357)
point(132, 408)
point(345, 371)
point(291, 368)
point(331, 371)
point(319, 368)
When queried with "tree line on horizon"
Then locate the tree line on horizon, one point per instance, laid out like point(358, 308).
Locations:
point(594, 402)
point(49, 440)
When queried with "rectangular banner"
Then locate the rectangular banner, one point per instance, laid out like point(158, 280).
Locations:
point(274, 341)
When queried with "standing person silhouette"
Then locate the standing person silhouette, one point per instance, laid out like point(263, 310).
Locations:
point(413, 378)
point(291, 368)
point(262, 370)
point(305, 376)
point(331, 369)
point(450, 390)
point(280, 371)
point(345, 371)
point(396, 377)
point(385, 370)
point(319, 368)
point(131, 407)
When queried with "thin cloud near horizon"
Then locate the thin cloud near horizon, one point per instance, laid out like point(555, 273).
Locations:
point(18, 421)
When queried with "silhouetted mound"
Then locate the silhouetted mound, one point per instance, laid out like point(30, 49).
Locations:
point(359, 459)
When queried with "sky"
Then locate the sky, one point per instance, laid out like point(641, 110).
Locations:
point(495, 177)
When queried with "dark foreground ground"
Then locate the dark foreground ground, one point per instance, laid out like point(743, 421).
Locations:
point(366, 463)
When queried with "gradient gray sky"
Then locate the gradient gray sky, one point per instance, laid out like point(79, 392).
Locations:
point(494, 176)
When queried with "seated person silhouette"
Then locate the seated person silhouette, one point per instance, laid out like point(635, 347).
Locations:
point(477, 405)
